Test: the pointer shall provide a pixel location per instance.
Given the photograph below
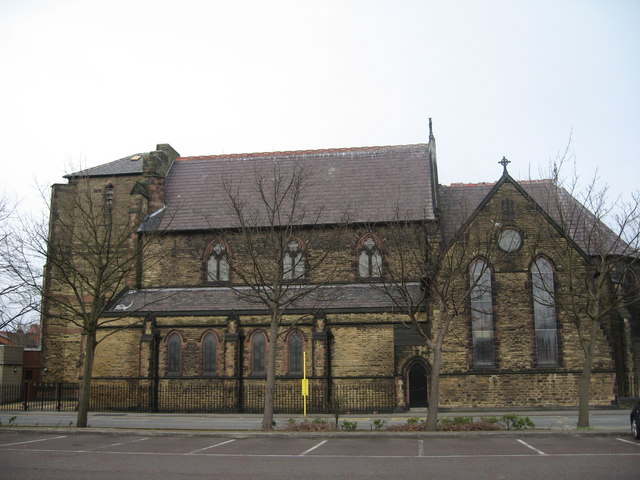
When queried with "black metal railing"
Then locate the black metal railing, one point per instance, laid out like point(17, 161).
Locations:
point(201, 396)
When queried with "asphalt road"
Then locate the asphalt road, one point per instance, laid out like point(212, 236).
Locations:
point(25, 456)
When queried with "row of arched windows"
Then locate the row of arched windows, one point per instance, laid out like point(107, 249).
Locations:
point(257, 347)
point(544, 312)
point(294, 260)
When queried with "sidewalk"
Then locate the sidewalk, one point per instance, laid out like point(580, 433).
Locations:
point(557, 422)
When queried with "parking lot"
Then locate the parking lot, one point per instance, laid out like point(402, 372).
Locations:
point(80, 456)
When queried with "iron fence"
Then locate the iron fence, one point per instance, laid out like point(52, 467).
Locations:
point(201, 396)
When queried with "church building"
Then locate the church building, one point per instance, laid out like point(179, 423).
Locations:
point(190, 333)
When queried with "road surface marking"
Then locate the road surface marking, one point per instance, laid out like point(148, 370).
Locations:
point(122, 443)
point(421, 448)
point(539, 452)
point(314, 447)
point(211, 446)
point(293, 456)
point(32, 441)
point(629, 441)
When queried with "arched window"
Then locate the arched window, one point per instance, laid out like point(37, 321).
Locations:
point(369, 258)
point(218, 264)
point(544, 312)
point(258, 353)
point(293, 261)
point(209, 344)
point(174, 354)
point(481, 312)
point(295, 353)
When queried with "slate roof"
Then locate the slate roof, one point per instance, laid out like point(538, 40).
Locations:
point(459, 201)
point(225, 301)
point(133, 164)
point(365, 183)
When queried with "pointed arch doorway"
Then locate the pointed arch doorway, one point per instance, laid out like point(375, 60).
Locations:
point(417, 385)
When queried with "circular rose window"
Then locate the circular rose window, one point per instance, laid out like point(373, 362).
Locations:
point(510, 240)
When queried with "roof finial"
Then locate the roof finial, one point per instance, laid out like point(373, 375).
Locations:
point(504, 162)
point(430, 128)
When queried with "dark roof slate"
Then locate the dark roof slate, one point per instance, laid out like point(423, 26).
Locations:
point(365, 184)
point(225, 300)
point(133, 164)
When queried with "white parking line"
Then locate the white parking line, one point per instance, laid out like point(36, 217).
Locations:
point(32, 441)
point(122, 443)
point(539, 452)
point(314, 447)
point(293, 456)
point(629, 441)
point(211, 446)
point(421, 448)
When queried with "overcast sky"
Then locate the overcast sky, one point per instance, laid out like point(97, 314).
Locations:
point(87, 82)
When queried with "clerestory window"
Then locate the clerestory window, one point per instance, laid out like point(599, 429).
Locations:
point(218, 264)
point(369, 259)
point(293, 261)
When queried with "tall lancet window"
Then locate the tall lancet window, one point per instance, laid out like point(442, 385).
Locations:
point(258, 353)
point(295, 353)
point(209, 344)
point(481, 313)
point(544, 312)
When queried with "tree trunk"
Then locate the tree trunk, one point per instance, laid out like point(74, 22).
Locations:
point(434, 389)
point(85, 385)
point(583, 395)
point(269, 389)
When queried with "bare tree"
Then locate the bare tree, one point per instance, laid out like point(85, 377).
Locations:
point(419, 252)
point(19, 300)
point(285, 251)
point(601, 251)
point(92, 249)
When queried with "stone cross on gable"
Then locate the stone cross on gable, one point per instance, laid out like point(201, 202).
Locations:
point(504, 162)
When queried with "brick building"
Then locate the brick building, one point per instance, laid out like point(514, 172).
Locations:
point(184, 321)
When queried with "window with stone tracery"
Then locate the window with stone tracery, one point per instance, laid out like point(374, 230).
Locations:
point(218, 264)
point(369, 259)
point(293, 261)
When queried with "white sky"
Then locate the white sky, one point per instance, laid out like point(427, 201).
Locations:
point(87, 82)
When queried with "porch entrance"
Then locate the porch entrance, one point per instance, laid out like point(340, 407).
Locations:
point(417, 386)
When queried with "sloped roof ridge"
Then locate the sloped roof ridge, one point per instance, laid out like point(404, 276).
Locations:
point(488, 184)
point(105, 168)
point(312, 153)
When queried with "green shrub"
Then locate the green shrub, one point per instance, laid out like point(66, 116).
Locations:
point(349, 426)
point(516, 422)
point(379, 424)
point(10, 422)
point(456, 420)
point(489, 419)
point(306, 426)
point(336, 408)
